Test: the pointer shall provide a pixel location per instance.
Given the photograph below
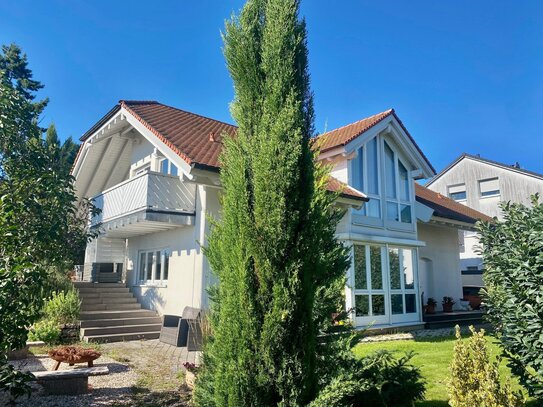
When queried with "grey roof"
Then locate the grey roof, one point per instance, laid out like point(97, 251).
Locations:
point(486, 161)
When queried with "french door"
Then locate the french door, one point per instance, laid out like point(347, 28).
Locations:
point(384, 284)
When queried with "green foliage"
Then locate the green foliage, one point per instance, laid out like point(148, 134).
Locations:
point(63, 307)
point(64, 154)
point(279, 266)
point(14, 71)
point(513, 256)
point(379, 379)
point(38, 219)
point(46, 330)
point(475, 378)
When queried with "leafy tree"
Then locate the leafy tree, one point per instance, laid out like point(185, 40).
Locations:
point(279, 266)
point(15, 73)
point(37, 220)
point(513, 257)
point(63, 154)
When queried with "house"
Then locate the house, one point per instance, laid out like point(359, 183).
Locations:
point(482, 184)
point(154, 171)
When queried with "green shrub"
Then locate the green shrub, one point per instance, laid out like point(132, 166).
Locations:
point(63, 307)
point(512, 253)
point(45, 330)
point(379, 379)
point(475, 379)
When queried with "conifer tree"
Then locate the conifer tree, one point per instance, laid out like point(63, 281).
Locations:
point(274, 252)
point(63, 154)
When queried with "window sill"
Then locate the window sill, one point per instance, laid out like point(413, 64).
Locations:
point(489, 196)
point(152, 285)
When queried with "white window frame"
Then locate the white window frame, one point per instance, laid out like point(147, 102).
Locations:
point(165, 254)
point(387, 291)
point(398, 224)
point(169, 168)
point(453, 189)
point(495, 193)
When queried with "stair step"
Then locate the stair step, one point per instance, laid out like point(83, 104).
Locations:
point(89, 290)
point(110, 307)
point(85, 284)
point(99, 294)
point(111, 330)
point(96, 323)
point(453, 322)
point(109, 314)
point(122, 337)
point(108, 300)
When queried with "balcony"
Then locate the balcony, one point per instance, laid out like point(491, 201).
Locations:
point(147, 203)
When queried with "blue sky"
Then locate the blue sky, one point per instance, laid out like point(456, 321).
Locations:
point(462, 75)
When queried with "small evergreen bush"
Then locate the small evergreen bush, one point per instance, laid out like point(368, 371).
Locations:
point(45, 330)
point(379, 379)
point(63, 307)
point(475, 378)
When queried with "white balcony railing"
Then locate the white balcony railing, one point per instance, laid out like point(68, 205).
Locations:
point(150, 190)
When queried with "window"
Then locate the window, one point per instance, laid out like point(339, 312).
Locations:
point(369, 284)
point(167, 167)
point(397, 188)
point(384, 283)
point(489, 187)
point(457, 192)
point(153, 267)
point(366, 178)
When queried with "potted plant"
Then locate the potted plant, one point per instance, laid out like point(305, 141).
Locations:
point(447, 303)
point(430, 306)
point(190, 374)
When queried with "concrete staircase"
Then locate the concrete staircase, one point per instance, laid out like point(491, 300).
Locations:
point(111, 313)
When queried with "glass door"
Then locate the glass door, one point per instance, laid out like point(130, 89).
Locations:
point(403, 295)
point(369, 285)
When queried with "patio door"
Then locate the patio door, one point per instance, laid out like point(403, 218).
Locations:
point(403, 293)
point(369, 285)
point(385, 284)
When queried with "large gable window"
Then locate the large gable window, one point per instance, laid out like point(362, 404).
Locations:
point(397, 188)
point(366, 178)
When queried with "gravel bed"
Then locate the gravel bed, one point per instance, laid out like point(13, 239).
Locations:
point(114, 388)
point(422, 333)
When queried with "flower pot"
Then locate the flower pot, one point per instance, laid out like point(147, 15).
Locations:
point(447, 307)
point(430, 309)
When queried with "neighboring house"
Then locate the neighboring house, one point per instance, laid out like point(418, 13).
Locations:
point(482, 184)
point(154, 171)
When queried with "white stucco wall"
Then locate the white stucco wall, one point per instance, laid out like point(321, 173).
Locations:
point(439, 263)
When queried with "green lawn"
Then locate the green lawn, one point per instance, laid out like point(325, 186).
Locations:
point(433, 356)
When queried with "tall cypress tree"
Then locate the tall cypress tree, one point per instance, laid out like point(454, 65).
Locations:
point(274, 251)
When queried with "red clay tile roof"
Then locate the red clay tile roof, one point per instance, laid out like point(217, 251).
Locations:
point(343, 135)
point(195, 138)
point(345, 190)
point(445, 207)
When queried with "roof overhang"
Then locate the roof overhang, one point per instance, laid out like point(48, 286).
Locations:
point(391, 126)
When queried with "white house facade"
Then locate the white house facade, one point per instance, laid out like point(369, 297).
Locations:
point(153, 170)
point(482, 184)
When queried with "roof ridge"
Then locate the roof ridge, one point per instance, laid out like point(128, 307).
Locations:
point(196, 114)
point(385, 113)
point(139, 102)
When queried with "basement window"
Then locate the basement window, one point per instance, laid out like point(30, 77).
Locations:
point(153, 267)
